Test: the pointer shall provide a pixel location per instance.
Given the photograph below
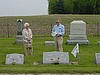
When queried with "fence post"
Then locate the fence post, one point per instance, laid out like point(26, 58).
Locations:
point(51, 27)
point(97, 29)
point(7, 30)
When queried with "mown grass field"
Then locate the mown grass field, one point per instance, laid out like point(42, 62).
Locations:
point(86, 64)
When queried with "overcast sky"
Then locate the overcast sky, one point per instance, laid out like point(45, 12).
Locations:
point(23, 7)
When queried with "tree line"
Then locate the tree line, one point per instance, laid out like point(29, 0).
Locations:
point(74, 6)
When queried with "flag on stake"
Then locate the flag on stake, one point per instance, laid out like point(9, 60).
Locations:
point(75, 50)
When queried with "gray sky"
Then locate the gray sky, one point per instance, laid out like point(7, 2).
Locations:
point(23, 7)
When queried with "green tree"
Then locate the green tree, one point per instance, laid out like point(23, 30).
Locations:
point(84, 6)
point(59, 7)
point(90, 7)
point(97, 11)
point(51, 6)
point(68, 6)
point(74, 6)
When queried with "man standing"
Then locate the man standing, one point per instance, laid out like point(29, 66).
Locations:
point(58, 31)
point(27, 39)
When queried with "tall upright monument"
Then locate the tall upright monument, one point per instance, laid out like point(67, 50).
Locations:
point(77, 33)
point(19, 38)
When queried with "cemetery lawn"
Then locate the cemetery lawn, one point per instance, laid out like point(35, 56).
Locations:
point(86, 63)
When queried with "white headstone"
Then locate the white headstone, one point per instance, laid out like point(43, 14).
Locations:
point(97, 58)
point(77, 27)
point(14, 58)
point(77, 33)
point(55, 57)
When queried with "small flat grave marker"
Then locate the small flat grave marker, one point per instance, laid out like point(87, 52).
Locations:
point(14, 58)
point(55, 57)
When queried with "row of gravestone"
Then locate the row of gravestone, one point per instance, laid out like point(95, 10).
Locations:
point(48, 58)
point(77, 32)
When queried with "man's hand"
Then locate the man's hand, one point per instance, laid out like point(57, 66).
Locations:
point(58, 35)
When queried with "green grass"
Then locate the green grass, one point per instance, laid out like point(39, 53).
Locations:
point(86, 64)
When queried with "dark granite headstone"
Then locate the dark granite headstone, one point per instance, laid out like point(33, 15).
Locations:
point(19, 38)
